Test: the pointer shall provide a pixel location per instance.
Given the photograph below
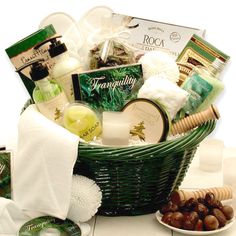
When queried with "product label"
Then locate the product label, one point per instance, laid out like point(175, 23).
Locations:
point(66, 83)
point(48, 225)
point(108, 89)
point(5, 174)
point(53, 109)
point(198, 52)
point(148, 122)
point(198, 89)
point(147, 35)
point(32, 54)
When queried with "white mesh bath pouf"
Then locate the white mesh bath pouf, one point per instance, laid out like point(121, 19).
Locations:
point(86, 198)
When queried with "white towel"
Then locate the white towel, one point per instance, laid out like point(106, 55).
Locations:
point(43, 166)
point(11, 217)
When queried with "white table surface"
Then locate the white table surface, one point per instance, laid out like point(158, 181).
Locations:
point(147, 225)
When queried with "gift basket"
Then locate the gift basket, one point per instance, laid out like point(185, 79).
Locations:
point(138, 180)
point(111, 73)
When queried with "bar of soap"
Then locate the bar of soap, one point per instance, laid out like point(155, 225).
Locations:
point(160, 64)
point(167, 93)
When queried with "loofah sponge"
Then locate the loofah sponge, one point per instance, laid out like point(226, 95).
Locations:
point(167, 93)
point(85, 200)
point(160, 64)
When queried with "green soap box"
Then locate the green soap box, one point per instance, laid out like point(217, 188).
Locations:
point(5, 174)
point(23, 52)
point(198, 52)
point(108, 89)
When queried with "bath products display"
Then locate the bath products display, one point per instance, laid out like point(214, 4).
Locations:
point(115, 128)
point(23, 52)
point(49, 97)
point(192, 121)
point(149, 121)
point(135, 156)
point(108, 89)
point(203, 86)
point(85, 199)
point(64, 66)
point(160, 89)
point(221, 193)
point(5, 173)
point(198, 52)
point(47, 225)
point(206, 213)
point(157, 63)
point(149, 35)
point(81, 120)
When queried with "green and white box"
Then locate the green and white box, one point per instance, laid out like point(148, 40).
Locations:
point(110, 88)
point(5, 174)
point(24, 51)
point(148, 35)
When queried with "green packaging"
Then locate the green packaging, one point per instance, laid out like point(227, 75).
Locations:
point(48, 225)
point(5, 174)
point(198, 52)
point(108, 89)
point(23, 52)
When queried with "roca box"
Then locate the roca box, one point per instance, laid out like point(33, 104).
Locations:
point(148, 35)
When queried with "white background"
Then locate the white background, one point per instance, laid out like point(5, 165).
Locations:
point(21, 18)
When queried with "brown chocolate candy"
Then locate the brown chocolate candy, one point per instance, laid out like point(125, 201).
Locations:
point(228, 211)
point(211, 223)
point(219, 216)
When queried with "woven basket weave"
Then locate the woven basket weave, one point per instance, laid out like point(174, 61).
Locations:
point(137, 180)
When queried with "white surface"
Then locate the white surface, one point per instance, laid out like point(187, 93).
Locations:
point(20, 18)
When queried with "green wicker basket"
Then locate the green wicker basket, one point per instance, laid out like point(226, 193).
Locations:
point(138, 180)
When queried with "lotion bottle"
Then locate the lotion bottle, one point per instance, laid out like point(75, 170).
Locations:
point(203, 86)
point(48, 95)
point(64, 65)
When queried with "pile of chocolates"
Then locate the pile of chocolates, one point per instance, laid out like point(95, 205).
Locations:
point(202, 214)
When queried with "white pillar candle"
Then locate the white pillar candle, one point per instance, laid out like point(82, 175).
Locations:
point(211, 155)
point(115, 128)
point(229, 176)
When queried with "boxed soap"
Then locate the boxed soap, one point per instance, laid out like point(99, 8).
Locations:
point(108, 89)
point(24, 51)
point(5, 174)
point(198, 52)
point(148, 35)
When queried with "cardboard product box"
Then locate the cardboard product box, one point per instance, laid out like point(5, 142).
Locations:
point(5, 174)
point(148, 35)
point(23, 52)
point(110, 88)
point(198, 52)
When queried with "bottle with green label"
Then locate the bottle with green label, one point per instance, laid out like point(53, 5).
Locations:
point(65, 65)
point(203, 86)
point(48, 96)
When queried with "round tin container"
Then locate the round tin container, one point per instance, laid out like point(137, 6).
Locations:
point(149, 120)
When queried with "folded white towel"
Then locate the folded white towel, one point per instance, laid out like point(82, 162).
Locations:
point(11, 217)
point(43, 165)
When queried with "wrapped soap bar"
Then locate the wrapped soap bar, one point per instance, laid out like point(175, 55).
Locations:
point(164, 91)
